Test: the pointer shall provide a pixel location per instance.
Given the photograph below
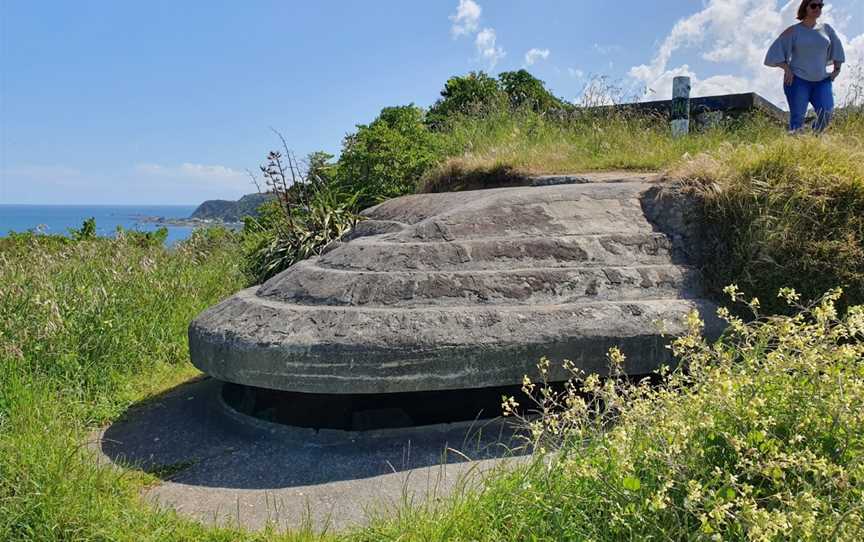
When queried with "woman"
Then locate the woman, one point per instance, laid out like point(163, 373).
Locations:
point(803, 51)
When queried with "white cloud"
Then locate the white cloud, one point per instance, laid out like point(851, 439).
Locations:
point(194, 172)
point(486, 48)
point(575, 73)
point(534, 55)
point(466, 20)
point(737, 44)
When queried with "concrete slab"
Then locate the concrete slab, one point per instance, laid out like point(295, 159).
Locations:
point(218, 467)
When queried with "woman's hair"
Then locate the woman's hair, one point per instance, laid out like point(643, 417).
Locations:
point(802, 10)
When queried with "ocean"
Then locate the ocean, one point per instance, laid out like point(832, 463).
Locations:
point(57, 219)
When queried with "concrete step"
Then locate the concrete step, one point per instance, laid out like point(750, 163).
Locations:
point(608, 212)
point(324, 349)
point(309, 283)
point(374, 254)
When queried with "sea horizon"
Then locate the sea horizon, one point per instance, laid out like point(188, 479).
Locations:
point(58, 219)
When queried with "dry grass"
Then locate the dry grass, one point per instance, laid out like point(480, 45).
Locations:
point(525, 143)
point(789, 212)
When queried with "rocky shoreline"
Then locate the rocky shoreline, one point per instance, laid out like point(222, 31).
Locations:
point(213, 213)
point(187, 222)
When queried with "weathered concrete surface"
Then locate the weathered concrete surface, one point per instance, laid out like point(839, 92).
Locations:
point(467, 290)
point(220, 467)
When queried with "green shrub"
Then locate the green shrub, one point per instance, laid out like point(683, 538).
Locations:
point(156, 237)
point(525, 90)
point(86, 231)
point(386, 158)
point(295, 226)
point(474, 94)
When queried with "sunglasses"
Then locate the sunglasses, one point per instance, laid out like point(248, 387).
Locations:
point(816, 6)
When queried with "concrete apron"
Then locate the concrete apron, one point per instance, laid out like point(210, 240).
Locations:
point(221, 467)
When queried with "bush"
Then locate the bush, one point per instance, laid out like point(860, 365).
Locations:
point(473, 94)
point(156, 237)
point(86, 231)
point(525, 90)
point(386, 158)
point(283, 240)
point(758, 437)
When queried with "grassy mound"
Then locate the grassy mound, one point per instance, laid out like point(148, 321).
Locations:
point(788, 212)
point(524, 142)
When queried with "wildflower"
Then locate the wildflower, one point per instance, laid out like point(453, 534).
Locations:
point(543, 365)
point(527, 385)
point(509, 405)
point(789, 294)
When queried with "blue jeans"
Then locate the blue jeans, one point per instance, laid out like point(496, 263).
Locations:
point(800, 93)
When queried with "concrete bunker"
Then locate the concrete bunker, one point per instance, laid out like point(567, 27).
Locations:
point(437, 297)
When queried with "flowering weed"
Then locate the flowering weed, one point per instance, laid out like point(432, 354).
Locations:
point(757, 437)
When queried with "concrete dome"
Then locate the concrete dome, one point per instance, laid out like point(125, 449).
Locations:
point(466, 290)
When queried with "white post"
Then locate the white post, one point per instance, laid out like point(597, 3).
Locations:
point(680, 115)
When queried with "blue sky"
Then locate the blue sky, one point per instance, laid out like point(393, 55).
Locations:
point(171, 102)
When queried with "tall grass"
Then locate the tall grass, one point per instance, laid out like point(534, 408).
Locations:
point(786, 212)
point(526, 142)
point(86, 328)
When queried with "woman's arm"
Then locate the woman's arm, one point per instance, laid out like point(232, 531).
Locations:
point(788, 76)
point(835, 51)
point(836, 71)
point(779, 55)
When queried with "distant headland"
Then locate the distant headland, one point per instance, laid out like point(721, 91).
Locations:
point(216, 211)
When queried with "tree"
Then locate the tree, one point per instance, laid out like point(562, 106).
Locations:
point(387, 157)
point(467, 95)
point(319, 168)
point(523, 89)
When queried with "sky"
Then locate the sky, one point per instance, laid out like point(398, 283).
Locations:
point(174, 102)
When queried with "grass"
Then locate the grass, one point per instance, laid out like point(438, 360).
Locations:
point(760, 439)
point(87, 328)
point(527, 143)
point(787, 212)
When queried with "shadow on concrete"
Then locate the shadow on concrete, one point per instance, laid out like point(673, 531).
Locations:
point(187, 436)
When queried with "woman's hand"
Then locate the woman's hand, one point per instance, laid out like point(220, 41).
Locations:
point(788, 76)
